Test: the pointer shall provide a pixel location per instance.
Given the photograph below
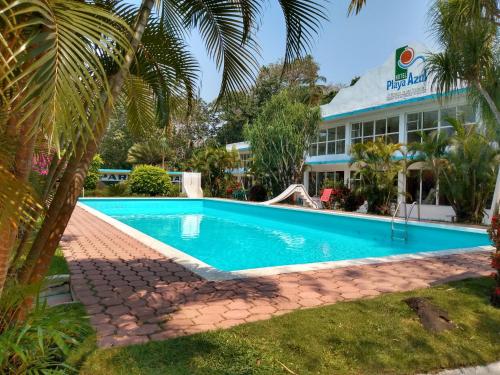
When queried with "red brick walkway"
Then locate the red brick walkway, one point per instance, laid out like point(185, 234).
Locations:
point(134, 294)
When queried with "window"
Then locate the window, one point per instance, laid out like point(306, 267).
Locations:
point(436, 120)
point(421, 187)
point(354, 179)
point(368, 131)
point(245, 160)
point(329, 142)
point(316, 180)
point(466, 114)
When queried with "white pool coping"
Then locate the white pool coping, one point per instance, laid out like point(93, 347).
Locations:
point(213, 274)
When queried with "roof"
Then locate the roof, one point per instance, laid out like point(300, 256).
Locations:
point(400, 80)
point(239, 146)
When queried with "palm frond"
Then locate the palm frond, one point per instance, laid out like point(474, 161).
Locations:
point(55, 70)
point(164, 62)
point(138, 99)
point(221, 25)
point(302, 20)
point(355, 6)
point(17, 199)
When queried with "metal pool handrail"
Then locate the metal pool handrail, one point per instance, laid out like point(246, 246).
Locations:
point(407, 216)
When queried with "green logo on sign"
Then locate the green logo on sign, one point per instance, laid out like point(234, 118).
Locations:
point(405, 57)
point(402, 71)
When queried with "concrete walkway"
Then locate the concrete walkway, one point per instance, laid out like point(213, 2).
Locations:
point(134, 294)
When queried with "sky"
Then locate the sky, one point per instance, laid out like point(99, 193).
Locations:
point(345, 46)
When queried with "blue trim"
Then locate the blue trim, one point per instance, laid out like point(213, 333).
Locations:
point(394, 104)
point(400, 157)
point(328, 162)
point(104, 170)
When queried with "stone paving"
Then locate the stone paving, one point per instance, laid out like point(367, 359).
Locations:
point(134, 294)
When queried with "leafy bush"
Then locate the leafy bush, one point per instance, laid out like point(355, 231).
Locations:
point(353, 201)
point(93, 174)
point(343, 197)
point(378, 173)
point(214, 163)
point(119, 189)
point(150, 180)
point(40, 343)
point(257, 193)
point(175, 191)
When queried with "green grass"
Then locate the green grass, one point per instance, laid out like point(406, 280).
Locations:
point(380, 335)
point(58, 265)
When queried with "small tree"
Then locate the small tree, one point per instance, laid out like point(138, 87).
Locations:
point(150, 180)
point(378, 171)
point(93, 174)
point(431, 151)
point(469, 174)
point(279, 139)
point(214, 164)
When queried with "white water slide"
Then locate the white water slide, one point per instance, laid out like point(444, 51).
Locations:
point(298, 189)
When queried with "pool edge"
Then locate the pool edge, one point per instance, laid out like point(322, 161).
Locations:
point(213, 274)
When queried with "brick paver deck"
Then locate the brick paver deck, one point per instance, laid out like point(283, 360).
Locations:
point(134, 294)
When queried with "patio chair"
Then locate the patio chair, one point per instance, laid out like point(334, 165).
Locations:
point(325, 197)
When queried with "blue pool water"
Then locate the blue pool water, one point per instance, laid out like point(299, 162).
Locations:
point(233, 236)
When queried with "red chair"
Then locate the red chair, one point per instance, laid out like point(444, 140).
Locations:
point(325, 196)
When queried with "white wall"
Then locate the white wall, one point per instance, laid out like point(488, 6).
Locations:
point(429, 212)
point(191, 184)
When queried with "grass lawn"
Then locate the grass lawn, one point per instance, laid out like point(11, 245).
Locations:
point(376, 336)
point(58, 265)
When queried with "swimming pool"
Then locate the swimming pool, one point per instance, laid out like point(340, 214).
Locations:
point(231, 236)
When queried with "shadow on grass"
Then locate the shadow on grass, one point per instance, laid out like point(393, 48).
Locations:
point(376, 336)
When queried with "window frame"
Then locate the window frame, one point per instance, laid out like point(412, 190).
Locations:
point(372, 133)
point(442, 125)
point(329, 143)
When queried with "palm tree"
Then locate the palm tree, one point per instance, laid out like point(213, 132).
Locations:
point(154, 151)
point(467, 30)
point(378, 170)
point(214, 164)
point(431, 151)
point(75, 102)
point(50, 81)
point(469, 173)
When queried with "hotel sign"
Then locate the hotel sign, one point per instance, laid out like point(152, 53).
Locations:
point(113, 177)
point(410, 76)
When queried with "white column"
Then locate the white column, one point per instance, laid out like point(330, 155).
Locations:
point(402, 128)
point(494, 201)
point(306, 178)
point(347, 176)
point(401, 187)
point(348, 138)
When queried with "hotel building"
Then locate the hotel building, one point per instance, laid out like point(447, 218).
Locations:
point(395, 101)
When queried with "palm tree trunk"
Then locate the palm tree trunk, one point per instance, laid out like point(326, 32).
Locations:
point(21, 170)
point(69, 189)
point(491, 103)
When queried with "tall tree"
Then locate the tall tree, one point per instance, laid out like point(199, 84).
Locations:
point(116, 141)
point(300, 78)
point(468, 32)
point(111, 63)
point(279, 139)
